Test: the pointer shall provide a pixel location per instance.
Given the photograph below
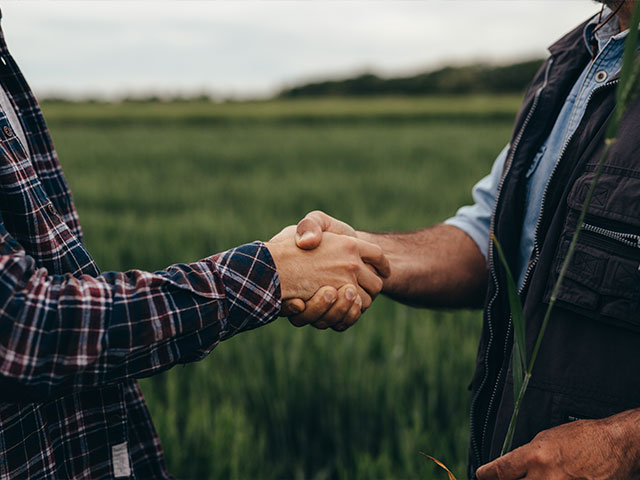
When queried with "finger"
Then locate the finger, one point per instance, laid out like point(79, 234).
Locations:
point(293, 306)
point(511, 466)
point(373, 255)
point(339, 310)
point(315, 307)
point(352, 316)
point(365, 299)
point(369, 281)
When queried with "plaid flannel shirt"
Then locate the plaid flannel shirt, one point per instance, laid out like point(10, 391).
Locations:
point(73, 341)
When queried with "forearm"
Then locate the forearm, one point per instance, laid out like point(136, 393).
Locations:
point(440, 266)
point(81, 332)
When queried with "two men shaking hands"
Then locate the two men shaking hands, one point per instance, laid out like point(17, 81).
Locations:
point(330, 274)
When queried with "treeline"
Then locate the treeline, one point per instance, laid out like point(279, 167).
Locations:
point(479, 78)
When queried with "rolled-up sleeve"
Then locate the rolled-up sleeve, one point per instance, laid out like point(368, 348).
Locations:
point(475, 220)
point(61, 331)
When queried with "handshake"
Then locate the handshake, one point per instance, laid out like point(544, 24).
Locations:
point(328, 276)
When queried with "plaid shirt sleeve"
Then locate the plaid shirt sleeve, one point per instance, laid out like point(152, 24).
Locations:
point(65, 332)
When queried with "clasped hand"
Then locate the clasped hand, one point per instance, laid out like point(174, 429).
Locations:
point(328, 276)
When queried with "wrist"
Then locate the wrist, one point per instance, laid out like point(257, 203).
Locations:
point(282, 256)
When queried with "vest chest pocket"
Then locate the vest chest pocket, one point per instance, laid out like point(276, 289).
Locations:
point(603, 278)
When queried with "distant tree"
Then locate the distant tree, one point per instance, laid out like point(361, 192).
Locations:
point(478, 78)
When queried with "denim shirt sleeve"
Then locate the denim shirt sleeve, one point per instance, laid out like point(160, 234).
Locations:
point(475, 220)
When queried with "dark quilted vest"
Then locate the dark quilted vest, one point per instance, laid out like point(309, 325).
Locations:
point(589, 363)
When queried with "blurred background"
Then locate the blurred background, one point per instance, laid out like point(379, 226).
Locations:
point(186, 128)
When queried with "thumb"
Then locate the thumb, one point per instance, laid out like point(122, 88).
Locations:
point(309, 230)
point(292, 306)
point(308, 234)
point(508, 467)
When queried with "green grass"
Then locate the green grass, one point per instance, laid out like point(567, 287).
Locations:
point(436, 108)
point(162, 183)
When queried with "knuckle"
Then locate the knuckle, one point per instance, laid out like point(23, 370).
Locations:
point(304, 224)
point(353, 266)
point(316, 216)
point(539, 456)
point(350, 246)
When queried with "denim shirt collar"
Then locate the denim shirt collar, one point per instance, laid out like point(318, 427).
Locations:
point(582, 35)
point(610, 31)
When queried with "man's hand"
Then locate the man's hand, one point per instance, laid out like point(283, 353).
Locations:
point(337, 309)
point(328, 307)
point(584, 449)
point(340, 261)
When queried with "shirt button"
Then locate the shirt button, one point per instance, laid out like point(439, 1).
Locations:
point(601, 76)
point(115, 419)
point(51, 209)
point(7, 131)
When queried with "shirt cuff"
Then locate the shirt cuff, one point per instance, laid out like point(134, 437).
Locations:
point(252, 287)
point(476, 232)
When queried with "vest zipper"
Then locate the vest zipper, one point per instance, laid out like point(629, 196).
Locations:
point(474, 444)
point(532, 263)
point(536, 244)
point(628, 239)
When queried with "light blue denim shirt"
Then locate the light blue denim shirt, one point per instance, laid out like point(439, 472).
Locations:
point(475, 219)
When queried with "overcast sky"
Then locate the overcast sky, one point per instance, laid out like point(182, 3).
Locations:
point(247, 48)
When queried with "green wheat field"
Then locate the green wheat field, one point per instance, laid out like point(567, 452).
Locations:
point(161, 183)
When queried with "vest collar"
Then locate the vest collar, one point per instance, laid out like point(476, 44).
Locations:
point(571, 40)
